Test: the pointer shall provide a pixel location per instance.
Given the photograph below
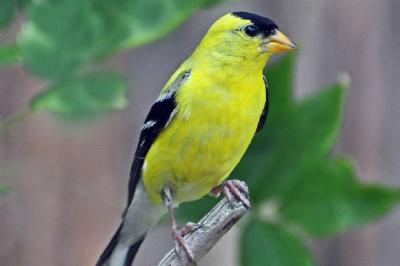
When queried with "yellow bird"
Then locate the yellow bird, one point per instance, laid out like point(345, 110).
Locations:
point(199, 128)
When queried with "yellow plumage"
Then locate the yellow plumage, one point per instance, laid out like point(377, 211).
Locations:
point(218, 111)
point(199, 128)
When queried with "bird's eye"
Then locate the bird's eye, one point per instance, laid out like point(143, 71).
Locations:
point(251, 30)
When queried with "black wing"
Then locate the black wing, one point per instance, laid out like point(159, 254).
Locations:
point(264, 113)
point(158, 118)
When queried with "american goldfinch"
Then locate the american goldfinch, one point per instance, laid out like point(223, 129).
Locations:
point(199, 128)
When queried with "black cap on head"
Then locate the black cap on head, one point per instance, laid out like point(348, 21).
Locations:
point(265, 25)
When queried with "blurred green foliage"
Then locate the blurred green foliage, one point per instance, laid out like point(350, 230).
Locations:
point(278, 246)
point(297, 188)
point(3, 190)
point(6, 12)
point(9, 54)
point(61, 41)
point(83, 96)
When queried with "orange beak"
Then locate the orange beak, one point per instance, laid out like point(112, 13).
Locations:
point(277, 43)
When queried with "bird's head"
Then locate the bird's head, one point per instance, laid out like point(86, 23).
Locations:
point(245, 36)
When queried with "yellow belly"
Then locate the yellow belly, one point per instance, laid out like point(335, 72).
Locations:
point(204, 142)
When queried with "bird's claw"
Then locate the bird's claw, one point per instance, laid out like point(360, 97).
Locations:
point(189, 228)
point(233, 189)
point(177, 235)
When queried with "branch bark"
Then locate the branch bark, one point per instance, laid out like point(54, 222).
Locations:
point(213, 226)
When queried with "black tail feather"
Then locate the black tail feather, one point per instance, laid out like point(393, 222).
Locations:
point(132, 252)
point(106, 255)
point(109, 249)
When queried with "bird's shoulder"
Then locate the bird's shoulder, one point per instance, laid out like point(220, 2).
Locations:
point(160, 115)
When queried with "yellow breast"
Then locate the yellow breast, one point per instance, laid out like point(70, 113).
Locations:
point(208, 136)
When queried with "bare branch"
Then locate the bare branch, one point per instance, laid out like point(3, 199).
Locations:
point(212, 227)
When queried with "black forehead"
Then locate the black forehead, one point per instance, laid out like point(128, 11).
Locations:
point(263, 23)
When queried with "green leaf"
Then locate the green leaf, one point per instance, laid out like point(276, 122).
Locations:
point(63, 36)
point(83, 96)
point(132, 23)
point(9, 54)
point(22, 3)
point(7, 11)
point(289, 162)
point(59, 37)
point(280, 77)
point(272, 164)
point(328, 199)
point(319, 118)
point(270, 245)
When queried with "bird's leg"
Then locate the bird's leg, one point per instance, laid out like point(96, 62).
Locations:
point(233, 188)
point(177, 234)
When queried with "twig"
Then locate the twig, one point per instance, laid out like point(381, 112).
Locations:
point(211, 228)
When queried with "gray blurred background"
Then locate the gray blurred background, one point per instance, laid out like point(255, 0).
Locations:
point(69, 181)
